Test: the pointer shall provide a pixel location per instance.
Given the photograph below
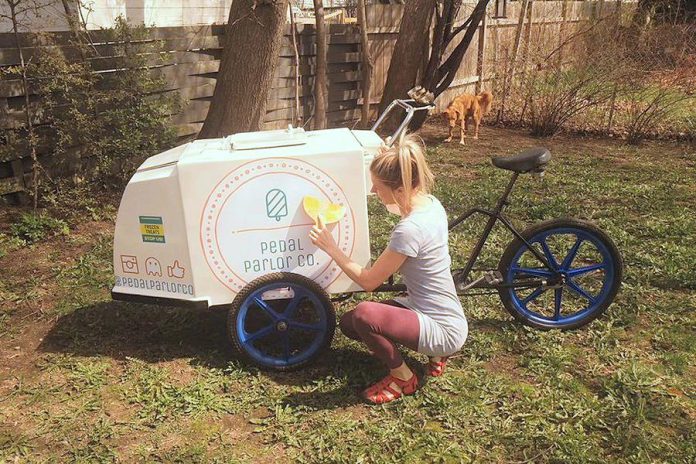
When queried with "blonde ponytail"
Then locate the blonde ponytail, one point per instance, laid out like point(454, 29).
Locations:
point(406, 168)
point(404, 165)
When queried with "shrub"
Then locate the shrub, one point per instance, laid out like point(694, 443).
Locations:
point(556, 97)
point(651, 108)
point(116, 118)
point(97, 125)
point(576, 76)
point(638, 81)
point(33, 227)
point(9, 244)
point(657, 94)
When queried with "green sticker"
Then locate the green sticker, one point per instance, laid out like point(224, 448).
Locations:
point(150, 220)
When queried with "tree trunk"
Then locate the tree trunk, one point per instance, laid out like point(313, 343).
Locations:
point(446, 13)
point(440, 74)
point(297, 119)
point(447, 71)
point(321, 89)
point(408, 56)
point(249, 59)
point(367, 65)
point(72, 16)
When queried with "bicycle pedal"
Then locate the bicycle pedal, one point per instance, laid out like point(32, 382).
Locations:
point(493, 277)
point(459, 282)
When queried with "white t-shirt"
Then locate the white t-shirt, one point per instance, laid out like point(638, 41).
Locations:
point(422, 237)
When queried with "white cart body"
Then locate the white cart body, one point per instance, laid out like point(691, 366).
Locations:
point(200, 221)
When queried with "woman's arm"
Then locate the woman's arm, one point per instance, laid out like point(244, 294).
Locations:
point(387, 264)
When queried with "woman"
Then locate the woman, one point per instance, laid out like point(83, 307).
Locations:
point(430, 320)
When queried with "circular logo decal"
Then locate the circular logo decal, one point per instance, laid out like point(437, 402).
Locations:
point(253, 223)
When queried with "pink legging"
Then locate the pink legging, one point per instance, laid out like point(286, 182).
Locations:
point(379, 325)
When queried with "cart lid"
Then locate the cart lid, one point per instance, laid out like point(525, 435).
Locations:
point(167, 158)
point(267, 139)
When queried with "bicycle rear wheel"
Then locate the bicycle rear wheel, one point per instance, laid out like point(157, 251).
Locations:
point(586, 275)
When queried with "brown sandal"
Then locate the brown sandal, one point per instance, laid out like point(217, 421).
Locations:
point(437, 368)
point(377, 393)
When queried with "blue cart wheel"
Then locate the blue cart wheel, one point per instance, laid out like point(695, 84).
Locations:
point(281, 321)
point(586, 275)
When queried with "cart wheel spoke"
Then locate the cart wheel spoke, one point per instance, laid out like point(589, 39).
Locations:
point(294, 304)
point(568, 260)
point(267, 309)
point(584, 270)
point(308, 327)
point(536, 293)
point(286, 345)
point(549, 255)
point(259, 334)
point(577, 289)
point(532, 271)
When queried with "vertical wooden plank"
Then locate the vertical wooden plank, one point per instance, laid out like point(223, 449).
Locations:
point(619, 18)
point(367, 65)
point(562, 32)
point(481, 57)
point(297, 119)
point(528, 35)
point(18, 172)
point(527, 45)
point(510, 73)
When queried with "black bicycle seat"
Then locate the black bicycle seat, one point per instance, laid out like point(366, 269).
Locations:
point(531, 159)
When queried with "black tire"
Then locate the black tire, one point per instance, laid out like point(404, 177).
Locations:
point(320, 303)
point(611, 274)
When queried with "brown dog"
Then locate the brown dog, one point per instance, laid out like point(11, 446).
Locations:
point(464, 107)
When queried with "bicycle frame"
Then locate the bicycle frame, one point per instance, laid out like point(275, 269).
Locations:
point(493, 216)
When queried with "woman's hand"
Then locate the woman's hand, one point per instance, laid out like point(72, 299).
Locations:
point(322, 238)
point(388, 262)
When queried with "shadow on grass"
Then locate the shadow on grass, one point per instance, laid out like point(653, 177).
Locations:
point(149, 333)
point(154, 334)
point(490, 324)
point(354, 370)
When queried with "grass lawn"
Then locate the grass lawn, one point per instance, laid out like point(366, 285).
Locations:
point(86, 379)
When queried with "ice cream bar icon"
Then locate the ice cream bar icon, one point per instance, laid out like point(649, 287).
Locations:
point(276, 204)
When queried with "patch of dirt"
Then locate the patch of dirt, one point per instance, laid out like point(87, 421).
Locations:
point(507, 364)
point(119, 412)
point(261, 412)
point(492, 141)
point(40, 260)
point(18, 356)
point(357, 411)
point(496, 141)
point(236, 426)
point(33, 269)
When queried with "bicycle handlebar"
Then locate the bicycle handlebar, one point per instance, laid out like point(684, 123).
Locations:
point(410, 111)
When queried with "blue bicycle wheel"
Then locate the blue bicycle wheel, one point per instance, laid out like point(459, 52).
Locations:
point(585, 275)
point(281, 321)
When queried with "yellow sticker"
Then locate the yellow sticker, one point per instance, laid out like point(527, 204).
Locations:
point(152, 229)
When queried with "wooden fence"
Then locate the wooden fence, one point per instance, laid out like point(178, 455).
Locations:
point(193, 53)
point(189, 66)
point(544, 26)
